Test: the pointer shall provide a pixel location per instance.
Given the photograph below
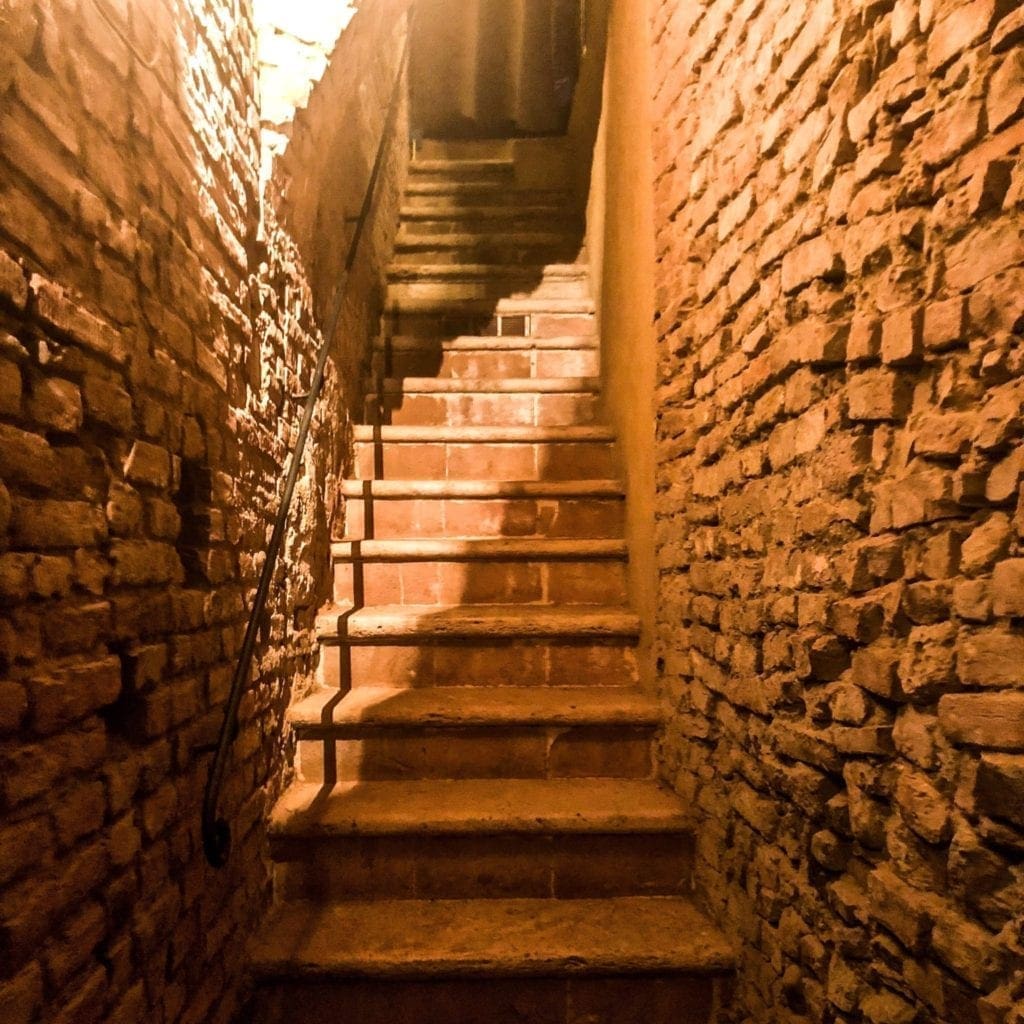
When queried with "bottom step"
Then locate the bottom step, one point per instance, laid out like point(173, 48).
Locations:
point(621, 999)
point(588, 961)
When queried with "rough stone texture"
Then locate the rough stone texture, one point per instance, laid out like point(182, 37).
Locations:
point(840, 299)
point(156, 325)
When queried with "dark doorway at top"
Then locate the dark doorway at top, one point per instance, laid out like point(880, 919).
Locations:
point(494, 68)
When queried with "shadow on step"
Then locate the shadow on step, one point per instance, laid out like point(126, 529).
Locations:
point(584, 1000)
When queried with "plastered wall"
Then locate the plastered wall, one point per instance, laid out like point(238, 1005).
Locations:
point(614, 167)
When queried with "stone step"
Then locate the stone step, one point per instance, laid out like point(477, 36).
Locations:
point(460, 216)
point(458, 272)
point(480, 838)
point(436, 192)
point(500, 961)
point(473, 549)
point(506, 247)
point(526, 661)
point(501, 318)
point(471, 171)
point(490, 386)
point(479, 571)
point(474, 732)
point(483, 453)
point(438, 316)
point(483, 645)
point(498, 623)
point(387, 509)
point(539, 289)
point(479, 357)
point(463, 401)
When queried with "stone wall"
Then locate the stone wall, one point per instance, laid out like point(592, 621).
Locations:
point(840, 514)
point(155, 336)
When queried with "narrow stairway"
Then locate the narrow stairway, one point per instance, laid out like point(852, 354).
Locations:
point(475, 834)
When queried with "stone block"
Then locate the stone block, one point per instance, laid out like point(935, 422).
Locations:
point(148, 464)
point(945, 324)
point(10, 389)
point(1008, 587)
point(13, 283)
point(993, 658)
point(905, 911)
point(992, 720)
point(1005, 98)
point(67, 315)
point(923, 807)
point(960, 29)
point(27, 458)
point(999, 787)
point(877, 395)
point(814, 259)
point(902, 336)
point(986, 544)
point(968, 950)
point(1009, 31)
point(21, 996)
point(43, 525)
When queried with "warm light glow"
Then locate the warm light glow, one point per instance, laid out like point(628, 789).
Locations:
point(296, 38)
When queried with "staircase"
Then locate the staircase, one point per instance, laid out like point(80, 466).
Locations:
point(475, 834)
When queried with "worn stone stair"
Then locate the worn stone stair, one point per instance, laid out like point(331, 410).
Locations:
point(475, 832)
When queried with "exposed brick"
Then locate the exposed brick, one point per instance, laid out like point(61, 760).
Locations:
point(1008, 587)
point(13, 283)
point(817, 258)
point(57, 524)
point(999, 786)
point(958, 30)
point(993, 720)
point(901, 336)
point(67, 315)
point(1006, 91)
point(148, 464)
point(944, 324)
point(911, 177)
point(877, 395)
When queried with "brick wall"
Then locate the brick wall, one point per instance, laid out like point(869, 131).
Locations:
point(840, 516)
point(295, 42)
point(319, 180)
point(154, 332)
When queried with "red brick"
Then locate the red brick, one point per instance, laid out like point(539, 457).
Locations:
point(992, 720)
point(1006, 91)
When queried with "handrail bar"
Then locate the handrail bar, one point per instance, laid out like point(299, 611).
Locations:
point(215, 829)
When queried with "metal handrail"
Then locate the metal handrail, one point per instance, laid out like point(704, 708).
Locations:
point(216, 830)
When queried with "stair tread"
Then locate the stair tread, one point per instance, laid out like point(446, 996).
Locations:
point(438, 938)
point(429, 188)
point(504, 306)
point(484, 342)
point(440, 164)
point(399, 489)
point(489, 386)
point(468, 239)
point(478, 805)
point(495, 622)
point(475, 705)
point(502, 207)
point(431, 271)
point(481, 434)
point(447, 549)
